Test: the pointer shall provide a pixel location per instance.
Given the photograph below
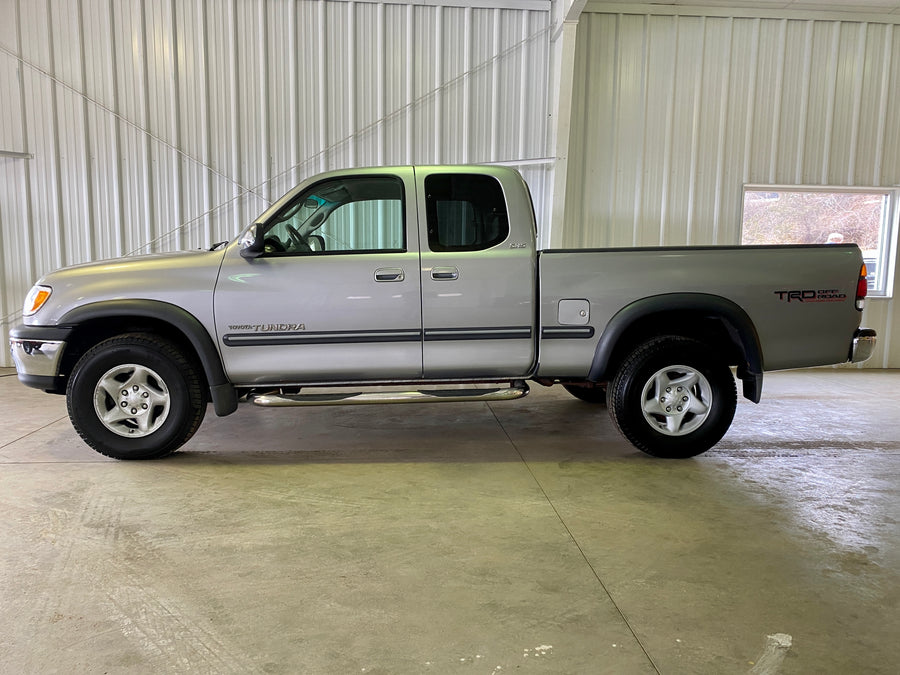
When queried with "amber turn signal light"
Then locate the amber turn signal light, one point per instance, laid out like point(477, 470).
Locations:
point(36, 298)
point(862, 287)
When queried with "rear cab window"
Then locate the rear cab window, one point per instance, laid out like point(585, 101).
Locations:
point(465, 212)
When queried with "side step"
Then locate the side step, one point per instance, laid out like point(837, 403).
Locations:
point(513, 391)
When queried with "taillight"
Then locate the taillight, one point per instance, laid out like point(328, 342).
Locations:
point(862, 288)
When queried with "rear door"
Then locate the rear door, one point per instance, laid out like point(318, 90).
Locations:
point(478, 280)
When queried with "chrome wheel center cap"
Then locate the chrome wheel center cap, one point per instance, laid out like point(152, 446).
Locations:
point(134, 400)
point(675, 400)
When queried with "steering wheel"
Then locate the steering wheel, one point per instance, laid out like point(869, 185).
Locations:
point(299, 243)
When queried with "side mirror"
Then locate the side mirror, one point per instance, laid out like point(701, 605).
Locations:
point(252, 245)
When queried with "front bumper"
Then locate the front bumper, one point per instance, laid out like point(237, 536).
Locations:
point(37, 352)
point(863, 345)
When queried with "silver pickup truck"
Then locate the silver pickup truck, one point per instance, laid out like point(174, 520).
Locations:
point(429, 278)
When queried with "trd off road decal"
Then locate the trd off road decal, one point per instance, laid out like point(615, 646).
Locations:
point(829, 295)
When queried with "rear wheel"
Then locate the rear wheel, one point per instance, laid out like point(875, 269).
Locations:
point(135, 396)
point(673, 397)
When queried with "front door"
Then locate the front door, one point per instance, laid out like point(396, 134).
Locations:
point(336, 294)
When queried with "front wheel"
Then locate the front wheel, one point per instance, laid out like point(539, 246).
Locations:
point(135, 396)
point(673, 397)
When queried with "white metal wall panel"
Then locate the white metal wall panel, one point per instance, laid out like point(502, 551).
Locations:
point(15, 249)
point(673, 114)
point(164, 124)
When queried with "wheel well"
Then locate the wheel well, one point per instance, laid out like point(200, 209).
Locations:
point(707, 328)
point(94, 331)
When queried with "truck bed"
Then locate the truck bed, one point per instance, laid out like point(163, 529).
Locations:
point(794, 296)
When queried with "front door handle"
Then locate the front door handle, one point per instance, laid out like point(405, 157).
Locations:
point(444, 273)
point(389, 274)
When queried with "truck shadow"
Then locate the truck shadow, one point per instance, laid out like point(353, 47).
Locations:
point(563, 430)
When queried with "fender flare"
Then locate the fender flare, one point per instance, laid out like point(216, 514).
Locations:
point(222, 392)
point(733, 317)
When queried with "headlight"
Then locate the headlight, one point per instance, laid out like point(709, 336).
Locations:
point(35, 299)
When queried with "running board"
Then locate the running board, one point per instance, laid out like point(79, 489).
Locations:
point(510, 393)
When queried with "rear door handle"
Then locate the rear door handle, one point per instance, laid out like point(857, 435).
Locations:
point(389, 274)
point(444, 273)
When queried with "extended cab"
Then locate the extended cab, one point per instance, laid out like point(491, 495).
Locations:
point(429, 277)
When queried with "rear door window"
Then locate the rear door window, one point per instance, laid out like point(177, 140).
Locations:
point(465, 212)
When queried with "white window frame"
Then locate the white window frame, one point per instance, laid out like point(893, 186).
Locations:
point(886, 261)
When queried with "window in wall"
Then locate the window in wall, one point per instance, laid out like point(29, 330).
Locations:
point(466, 212)
point(823, 215)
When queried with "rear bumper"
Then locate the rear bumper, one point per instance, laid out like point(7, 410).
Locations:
point(37, 352)
point(864, 340)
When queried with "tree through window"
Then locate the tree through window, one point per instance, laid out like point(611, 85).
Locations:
point(814, 215)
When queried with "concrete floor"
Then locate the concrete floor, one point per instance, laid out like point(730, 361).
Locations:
point(522, 537)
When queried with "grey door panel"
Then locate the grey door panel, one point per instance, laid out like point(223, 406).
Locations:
point(336, 296)
point(478, 291)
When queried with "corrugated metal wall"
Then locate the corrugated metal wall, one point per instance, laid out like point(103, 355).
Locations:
point(672, 115)
point(163, 124)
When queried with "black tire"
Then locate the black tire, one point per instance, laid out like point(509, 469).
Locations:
point(595, 394)
point(673, 397)
point(156, 386)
